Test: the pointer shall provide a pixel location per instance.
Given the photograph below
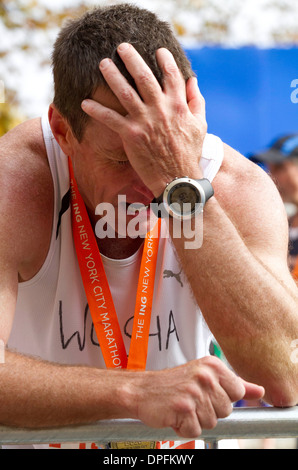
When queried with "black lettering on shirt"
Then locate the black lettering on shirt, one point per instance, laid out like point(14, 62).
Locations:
point(171, 330)
point(81, 341)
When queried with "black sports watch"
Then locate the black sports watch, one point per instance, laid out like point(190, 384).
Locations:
point(183, 198)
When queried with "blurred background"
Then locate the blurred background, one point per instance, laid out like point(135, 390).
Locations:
point(244, 52)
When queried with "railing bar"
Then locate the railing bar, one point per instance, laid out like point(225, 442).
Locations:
point(243, 423)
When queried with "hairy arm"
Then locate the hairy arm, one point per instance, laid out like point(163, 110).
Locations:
point(37, 393)
point(241, 280)
point(239, 276)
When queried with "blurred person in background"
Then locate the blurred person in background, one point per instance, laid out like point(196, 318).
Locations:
point(281, 160)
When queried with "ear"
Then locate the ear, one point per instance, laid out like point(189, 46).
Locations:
point(61, 130)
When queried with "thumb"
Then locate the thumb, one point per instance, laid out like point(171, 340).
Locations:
point(253, 391)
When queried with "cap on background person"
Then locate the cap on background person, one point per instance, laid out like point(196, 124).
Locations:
point(281, 149)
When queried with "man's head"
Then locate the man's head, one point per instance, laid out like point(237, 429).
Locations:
point(84, 42)
point(282, 161)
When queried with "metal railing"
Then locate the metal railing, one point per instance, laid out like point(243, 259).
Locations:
point(243, 423)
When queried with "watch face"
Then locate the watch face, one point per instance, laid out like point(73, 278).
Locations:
point(183, 198)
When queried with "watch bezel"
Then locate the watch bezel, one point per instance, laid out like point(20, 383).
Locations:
point(170, 208)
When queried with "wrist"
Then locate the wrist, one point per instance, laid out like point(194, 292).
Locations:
point(193, 172)
point(130, 393)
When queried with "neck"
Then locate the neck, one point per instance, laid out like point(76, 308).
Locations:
point(119, 248)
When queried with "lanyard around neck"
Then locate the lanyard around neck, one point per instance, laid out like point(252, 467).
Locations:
point(98, 293)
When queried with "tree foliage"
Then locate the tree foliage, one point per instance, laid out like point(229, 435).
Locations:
point(28, 29)
point(28, 17)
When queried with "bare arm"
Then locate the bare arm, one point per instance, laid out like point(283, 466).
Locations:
point(245, 291)
point(239, 277)
point(36, 393)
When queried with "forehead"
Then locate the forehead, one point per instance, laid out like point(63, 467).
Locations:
point(99, 138)
point(106, 97)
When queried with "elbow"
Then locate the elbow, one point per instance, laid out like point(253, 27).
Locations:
point(284, 396)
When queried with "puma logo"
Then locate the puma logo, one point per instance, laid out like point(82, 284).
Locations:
point(169, 273)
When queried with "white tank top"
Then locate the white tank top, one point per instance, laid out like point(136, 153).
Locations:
point(52, 318)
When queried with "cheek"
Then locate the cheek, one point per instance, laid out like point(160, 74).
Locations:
point(108, 185)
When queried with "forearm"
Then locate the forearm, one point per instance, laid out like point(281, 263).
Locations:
point(35, 393)
point(225, 272)
point(187, 398)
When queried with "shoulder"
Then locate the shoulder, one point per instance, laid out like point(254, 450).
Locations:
point(26, 195)
point(251, 200)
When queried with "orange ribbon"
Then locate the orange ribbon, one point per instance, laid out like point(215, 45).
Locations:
point(295, 271)
point(98, 293)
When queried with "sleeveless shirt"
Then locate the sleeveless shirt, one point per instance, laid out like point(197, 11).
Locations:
point(52, 319)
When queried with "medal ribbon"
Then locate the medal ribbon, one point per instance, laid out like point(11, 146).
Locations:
point(295, 270)
point(98, 293)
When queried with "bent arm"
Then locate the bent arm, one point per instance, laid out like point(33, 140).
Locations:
point(36, 393)
point(239, 276)
point(241, 281)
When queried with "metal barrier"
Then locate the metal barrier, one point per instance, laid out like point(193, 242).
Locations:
point(243, 423)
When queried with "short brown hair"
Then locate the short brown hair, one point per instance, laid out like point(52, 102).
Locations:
point(84, 42)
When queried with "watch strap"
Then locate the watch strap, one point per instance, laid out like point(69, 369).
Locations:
point(207, 187)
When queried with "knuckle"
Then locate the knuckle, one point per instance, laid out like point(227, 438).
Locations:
point(209, 360)
point(144, 77)
point(238, 391)
point(206, 378)
point(107, 115)
point(219, 367)
point(189, 431)
point(213, 362)
point(183, 406)
point(225, 410)
point(134, 133)
point(171, 69)
point(210, 423)
point(180, 108)
point(125, 94)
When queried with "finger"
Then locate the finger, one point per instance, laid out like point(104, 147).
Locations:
point(195, 100)
point(173, 83)
point(221, 402)
point(107, 116)
point(127, 96)
point(143, 76)
point(207, 414)
point(232, 385)
point(188, 426)
point(253, 391)
point(214, 392)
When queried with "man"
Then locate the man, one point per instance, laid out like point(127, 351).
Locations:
point(282, 161)
point(141, 125)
